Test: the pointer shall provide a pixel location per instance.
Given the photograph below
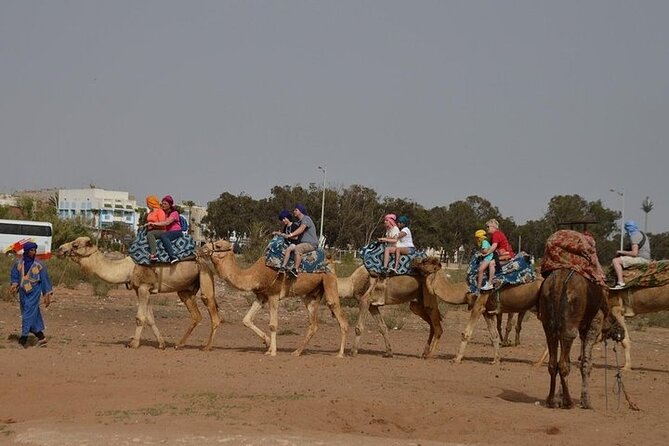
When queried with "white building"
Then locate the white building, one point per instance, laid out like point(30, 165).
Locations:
point(101, 207)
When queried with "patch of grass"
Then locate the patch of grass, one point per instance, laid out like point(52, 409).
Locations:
point(396, 318)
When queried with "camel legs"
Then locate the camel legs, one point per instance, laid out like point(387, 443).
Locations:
point(510, 322)
point(553, 342)
point(273, 324)
point(312, 304)
point(383, 329)
point(519, 326)
point(195, 315)
point(248, 321)
point(363, 307)
point(564, 364)
point(433, 318)
point(618, 313)
point(332, 299)
point(477, 310)
point(209, 300)
point(494, 337)
point(588, 339)
point(144, 316)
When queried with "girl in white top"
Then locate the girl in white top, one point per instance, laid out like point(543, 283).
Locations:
point(392, 231)
point(404, 244)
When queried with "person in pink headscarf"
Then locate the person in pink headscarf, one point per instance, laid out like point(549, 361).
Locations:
point(390, 238)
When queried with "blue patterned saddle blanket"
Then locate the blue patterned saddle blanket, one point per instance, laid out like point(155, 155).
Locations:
point(312, 262)
point(372, 258)
point(516, 271)
point(184, 247)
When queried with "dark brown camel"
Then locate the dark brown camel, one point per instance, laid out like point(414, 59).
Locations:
point(570, 305)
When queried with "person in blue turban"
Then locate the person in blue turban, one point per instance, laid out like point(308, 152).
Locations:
point(288, 227)
point(637, 254)
point(30, 278)
point(307, 240)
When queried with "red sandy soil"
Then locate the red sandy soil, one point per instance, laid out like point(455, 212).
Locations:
point(87, 388)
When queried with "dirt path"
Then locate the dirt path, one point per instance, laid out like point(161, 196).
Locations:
point(86, 388)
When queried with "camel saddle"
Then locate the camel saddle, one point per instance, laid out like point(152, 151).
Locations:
point(649, 275)
point(184, 249)
point(517, 271)
point(312, 262)
point(567, 249)
point(372, 257)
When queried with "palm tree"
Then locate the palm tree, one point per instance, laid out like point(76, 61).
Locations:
point(646, 206)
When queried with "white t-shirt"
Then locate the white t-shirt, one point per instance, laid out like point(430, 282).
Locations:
point(407, 240)
point(392, 233)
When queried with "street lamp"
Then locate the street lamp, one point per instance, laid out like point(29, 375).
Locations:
point(621, 194)
point(325, 173)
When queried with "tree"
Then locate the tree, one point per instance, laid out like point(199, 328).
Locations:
point(646, 207)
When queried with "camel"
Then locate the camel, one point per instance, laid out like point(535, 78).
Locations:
point(186, 278)
point(628, 303)
point(269, 286)
point(570, 305)
point(398, 290)
point(512, 299)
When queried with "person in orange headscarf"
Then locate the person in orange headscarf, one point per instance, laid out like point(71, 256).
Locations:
point(156, 214)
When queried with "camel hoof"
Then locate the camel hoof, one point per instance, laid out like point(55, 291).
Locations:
point(457, 360)
point(494, 362)
point(388, 355)
point(132, 344)
point(354, 352)
point(296, 353)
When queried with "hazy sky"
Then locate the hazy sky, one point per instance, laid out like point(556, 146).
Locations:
point(428, 100)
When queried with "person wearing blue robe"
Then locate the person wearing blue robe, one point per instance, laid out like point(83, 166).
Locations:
point(30, 278)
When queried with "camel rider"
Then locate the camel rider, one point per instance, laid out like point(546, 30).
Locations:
point(638, 254)
point(172, 227)
point(499, 244)
point(308, 240)
point(289, 226)
point(404, 245)
point(486, 262)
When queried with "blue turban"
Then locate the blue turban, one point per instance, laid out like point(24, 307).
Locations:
point(301, 208)
point(284, 214)
point(631, 227)
point(28, 246)
point(403, 219)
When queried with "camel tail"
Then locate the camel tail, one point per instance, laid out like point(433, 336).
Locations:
point(556, 303)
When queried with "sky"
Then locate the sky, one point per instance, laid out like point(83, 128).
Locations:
point(514, 101)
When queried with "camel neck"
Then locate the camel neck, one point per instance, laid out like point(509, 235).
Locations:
point(243, 279)
point(111, 271)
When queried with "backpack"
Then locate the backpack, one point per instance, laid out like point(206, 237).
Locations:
point(183, 222)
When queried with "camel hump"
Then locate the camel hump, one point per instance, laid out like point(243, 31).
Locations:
point(426, 265)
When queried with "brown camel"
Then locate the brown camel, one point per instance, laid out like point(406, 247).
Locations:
point(271, 287)
point(570, 305)
point(632, 301)
point(398, 290)
point(185, 278)
point(510, 299)
point(628, 303)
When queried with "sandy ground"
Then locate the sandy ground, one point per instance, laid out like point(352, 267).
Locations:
point(86, 388)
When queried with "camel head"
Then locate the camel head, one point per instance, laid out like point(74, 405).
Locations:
point(426, 266)
point(216, 250)
point(76, 249)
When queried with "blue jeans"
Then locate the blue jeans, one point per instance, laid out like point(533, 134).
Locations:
point(167, 238)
